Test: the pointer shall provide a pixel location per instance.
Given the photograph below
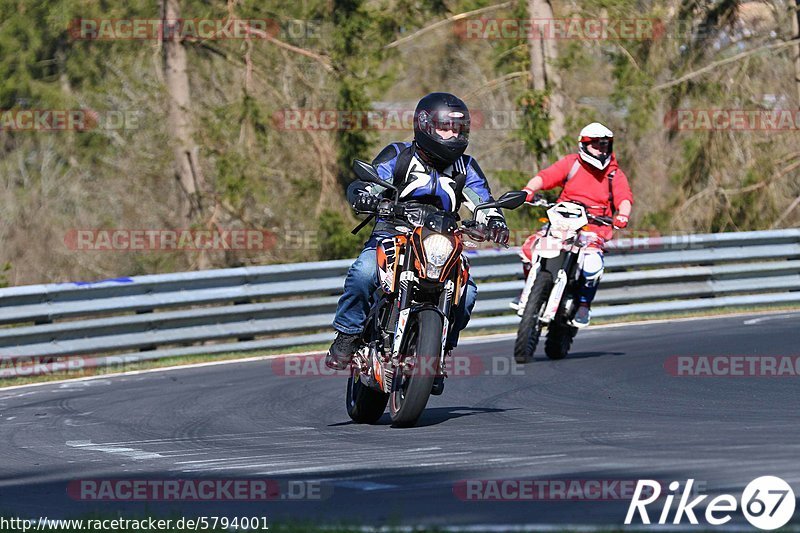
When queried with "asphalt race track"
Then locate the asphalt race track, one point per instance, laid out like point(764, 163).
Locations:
point(610, 411)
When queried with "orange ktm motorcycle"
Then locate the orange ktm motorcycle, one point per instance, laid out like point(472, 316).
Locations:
point(421, 277)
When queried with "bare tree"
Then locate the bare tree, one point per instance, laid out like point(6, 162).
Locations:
point(795, 16)
point(179, 119)
point(543, 76)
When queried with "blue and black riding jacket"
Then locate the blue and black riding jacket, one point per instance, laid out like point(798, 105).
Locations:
point(400, 165)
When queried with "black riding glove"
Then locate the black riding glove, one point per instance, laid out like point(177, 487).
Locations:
point(366, 203)
point(498, 231)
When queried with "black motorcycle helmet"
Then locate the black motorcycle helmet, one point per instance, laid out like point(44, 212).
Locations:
point(449, 115)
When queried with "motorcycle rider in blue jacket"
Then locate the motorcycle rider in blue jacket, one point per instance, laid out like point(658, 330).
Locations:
point(432, 169)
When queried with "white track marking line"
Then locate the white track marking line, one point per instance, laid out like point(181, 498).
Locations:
point(20, 395)
point(364, 485)
point(133, 453)
point(524, 458)
point(223, 459)
point(232, 467)
point(768, 315)
point(753, 321)
point(226, 436)
point(152, 370)
point(77, 424)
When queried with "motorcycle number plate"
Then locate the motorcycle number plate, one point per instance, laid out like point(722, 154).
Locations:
point(548, 247)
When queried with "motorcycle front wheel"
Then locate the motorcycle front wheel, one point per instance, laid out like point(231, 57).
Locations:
point(530, 328)
point(410, 393)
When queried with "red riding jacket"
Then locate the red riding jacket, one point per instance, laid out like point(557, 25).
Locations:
point(589, 186)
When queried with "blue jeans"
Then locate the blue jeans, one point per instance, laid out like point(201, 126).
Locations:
point(362, 281)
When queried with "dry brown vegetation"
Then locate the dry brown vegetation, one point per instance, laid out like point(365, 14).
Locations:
point(206, 151)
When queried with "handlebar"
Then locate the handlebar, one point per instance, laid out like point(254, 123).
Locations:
point(603, 221)
point(538, 201)
point(385, 208)
point(475, 230)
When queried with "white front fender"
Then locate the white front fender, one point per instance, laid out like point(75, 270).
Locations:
point(548, 247)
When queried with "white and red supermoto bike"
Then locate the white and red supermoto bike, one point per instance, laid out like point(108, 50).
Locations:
point(422, 274)
point(550, 296)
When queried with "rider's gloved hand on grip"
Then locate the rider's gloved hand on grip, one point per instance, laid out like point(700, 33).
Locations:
point(366, 203)
point(498, 231)
point(620, 221)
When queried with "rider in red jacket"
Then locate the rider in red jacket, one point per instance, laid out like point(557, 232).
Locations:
point(593, 178)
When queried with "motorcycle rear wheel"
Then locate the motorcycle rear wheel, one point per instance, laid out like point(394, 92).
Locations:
point(559, 340)
point(365, 405)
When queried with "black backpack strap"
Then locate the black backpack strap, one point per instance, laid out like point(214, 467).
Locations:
point(401, 167)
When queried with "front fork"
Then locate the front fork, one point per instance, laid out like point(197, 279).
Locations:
point(523, 299)
point(446, 306)
point(403, 303)
point(559, 286)
point(407, 278)
point(551, 309)
point(556, 294)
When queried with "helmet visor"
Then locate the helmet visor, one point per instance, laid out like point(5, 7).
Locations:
point(597, 146)
point(446, 125)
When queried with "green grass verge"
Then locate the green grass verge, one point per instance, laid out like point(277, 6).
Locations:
point(192, 359)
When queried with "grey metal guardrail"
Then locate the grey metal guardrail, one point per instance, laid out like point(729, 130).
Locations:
point(276, 306)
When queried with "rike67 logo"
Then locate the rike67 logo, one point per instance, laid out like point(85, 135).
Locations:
point(767, 503)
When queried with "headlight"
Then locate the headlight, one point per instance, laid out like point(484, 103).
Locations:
point(437, 250)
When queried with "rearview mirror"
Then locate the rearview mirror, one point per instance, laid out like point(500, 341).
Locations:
point(366, 172)
point(509, 200)
point(512, 199)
